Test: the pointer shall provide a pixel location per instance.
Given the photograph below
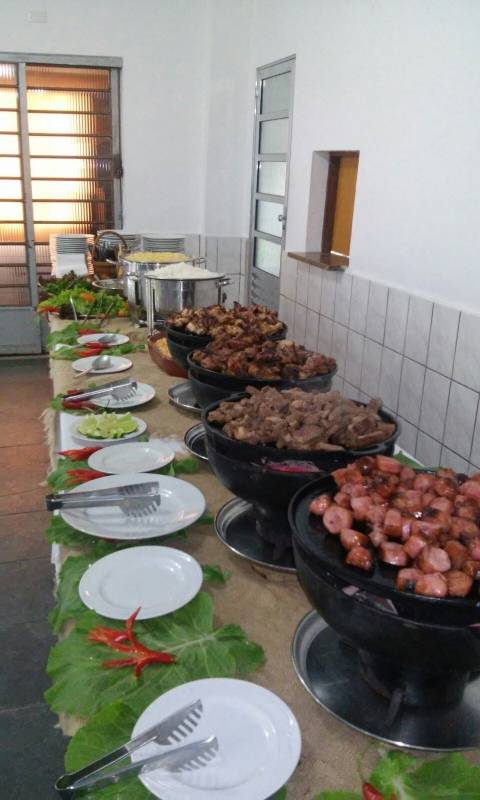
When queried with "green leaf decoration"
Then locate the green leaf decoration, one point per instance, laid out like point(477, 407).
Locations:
point(206, 519)
point(69, 604)
point(186, 466)
point(107, 730)
point(213, 573)
point(82, 686)
point(408, 462)
point(280, 795)
point(59, 532)
point(338, 796)
point(71, 354)
point(58, 479)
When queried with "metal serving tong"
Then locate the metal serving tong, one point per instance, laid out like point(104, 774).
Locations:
point(123, 389)
point(171, 730)
point(136, 500)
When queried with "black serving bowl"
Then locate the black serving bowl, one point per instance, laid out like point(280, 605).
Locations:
point(221, 383)
point(326, 460)
point(432, 661)
point(204, 393)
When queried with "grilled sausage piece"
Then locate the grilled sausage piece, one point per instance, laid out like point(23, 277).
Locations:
point(393, 553)
point(349, 538)
point(433, 559)
point(459, 584)
point(457, 553)
point(360, 557)
point(434, 585)
point(407, 578)
point(336, 518)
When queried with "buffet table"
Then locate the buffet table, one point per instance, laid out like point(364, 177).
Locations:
point(268, 605)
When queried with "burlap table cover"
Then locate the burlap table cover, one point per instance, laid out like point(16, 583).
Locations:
point(267, 606)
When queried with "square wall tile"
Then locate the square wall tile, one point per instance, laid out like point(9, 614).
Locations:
point(475, 454)
point(461, 416)
point(232, 291)
point(343, 292)
point(192, 245)
point(418, 329)
point(390, 374)
point(351, 391)
point(434, 404)
point(359, 304)
point(338, 383)
point(376, 312)
point(372, 362)
point(443, 339)
point(353, 367)
point(466, 368)
point(302, 283)
point(286, 311)
point(396, 320)
point(408, 437)
point(327, 303)
point(299, 324)
point(229, 250)
point(450, 459)
point(288, 278)
point(311, 330)
point(212, 252)
point(325, 333)
point(203, 246)
point(314, 289)
point(411, 390)
point(428, 450)
point(244, 255)
point(339, 347)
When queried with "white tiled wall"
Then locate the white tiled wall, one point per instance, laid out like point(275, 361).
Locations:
point(228, 254)
point(421, 358)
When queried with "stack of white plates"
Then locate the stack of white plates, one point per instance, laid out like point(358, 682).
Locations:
point(153, 242)
point(68, 251)
point(132, 239)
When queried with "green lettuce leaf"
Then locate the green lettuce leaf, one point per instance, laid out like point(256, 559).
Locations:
point(82, 686)
point(449, 777)
point(213, 573)
point(338, 796)
point(69, 604)
point(186, 465)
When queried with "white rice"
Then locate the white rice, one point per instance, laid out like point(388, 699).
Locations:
point(183, 271)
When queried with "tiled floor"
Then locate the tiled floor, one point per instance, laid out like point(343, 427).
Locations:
point(31, 748)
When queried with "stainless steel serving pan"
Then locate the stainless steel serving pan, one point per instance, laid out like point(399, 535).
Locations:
point(132, 274)
point(168, 295)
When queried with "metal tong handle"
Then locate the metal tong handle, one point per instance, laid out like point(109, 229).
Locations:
point(100, 497)
point(102, 390)
point(160, 733)
point(173, 760)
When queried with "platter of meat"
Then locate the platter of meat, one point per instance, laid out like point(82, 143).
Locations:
point(211, 321)
point(254, 357)
point(394, 531)
point(292, 420)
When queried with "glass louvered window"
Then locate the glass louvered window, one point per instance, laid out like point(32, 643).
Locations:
point(60, 164)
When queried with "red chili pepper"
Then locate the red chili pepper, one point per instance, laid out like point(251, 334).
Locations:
point(82, 475)
point(370, 793)
point(140, 656)
point(87, 352)
point(46, 309)
point(87, 331)
point(79, 454)
point(78, 404)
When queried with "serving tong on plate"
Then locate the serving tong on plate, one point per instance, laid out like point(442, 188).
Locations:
point(120, 390)
point(171, 730)
point(136, 500)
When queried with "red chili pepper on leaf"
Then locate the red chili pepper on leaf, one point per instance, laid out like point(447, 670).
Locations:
point(78, 404)
point(87, 331)
point(370, 793)
point(140, 656)
point(76, 476)
point(79, 454)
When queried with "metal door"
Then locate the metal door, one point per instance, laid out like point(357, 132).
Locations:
point(60, 172)
point(273, 124)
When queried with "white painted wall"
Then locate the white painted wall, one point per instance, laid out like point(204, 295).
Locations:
point(162, 43)
point(398, 80)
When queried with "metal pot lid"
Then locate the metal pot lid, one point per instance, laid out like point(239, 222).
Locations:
point(329, 671)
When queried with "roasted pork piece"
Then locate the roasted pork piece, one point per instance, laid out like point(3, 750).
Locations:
point(299, 420)
point(427, 524)
point(255, 356)
point(216, 320)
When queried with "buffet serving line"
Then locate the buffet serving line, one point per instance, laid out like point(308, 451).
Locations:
point(347, 658)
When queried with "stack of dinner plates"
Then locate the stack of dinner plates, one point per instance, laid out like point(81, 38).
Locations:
point(68, 252)
point(132, 239)
point(153, 242)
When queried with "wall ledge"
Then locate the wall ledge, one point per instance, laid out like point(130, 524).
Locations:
point(328, 261)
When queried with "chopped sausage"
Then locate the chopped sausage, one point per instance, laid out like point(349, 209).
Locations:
point(406, 528)
point(376, 515)
point(407, 474)
point(336, 518)
point(446, 487)
point(433, 559)
point(340, 476)
point(377, 537)
point(471, 489)
point(407, 578)
point(388, 464)
point(459, 584)
point(433, 585)
point(392, 524)
point(442, 504)
point(472, 568)
point(360, 557)
point(349, 538)
point(393, 553)
point(467, 508)
point(320, 504)
point(424, 482)
point(342, 499)
point(474, 548)
point(428, 498)
point(415, 545)
point(360, 507)
point(463, 529)
point(457, 553)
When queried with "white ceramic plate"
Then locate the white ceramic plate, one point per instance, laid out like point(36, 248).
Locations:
point(120, 338)
point(182, 504)
point(259, 742)
point(143, 394)
point(157, 579)
point(141, 428)
point(131, 457)
point(119, 364)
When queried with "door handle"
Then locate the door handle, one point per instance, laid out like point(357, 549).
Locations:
point(282, 217)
